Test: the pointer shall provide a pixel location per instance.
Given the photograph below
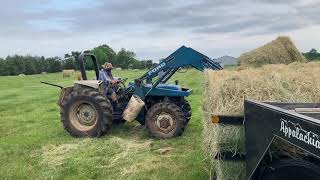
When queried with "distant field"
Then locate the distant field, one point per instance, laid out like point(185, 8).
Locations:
point(34, 145)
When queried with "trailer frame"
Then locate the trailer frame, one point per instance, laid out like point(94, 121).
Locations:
point(297, 124)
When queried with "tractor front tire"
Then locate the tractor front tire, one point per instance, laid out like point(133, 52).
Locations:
point(186, 107)
point(165, 120)
point(86, 113)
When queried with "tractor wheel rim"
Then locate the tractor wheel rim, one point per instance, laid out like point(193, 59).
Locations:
point(165, 122)
point(83, 116)
point(86, 114)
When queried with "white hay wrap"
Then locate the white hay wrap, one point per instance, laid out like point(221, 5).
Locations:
point(133, 108)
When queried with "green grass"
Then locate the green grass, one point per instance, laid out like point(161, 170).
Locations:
point(34, 145)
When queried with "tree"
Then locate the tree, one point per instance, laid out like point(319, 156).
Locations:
point(3, 67)
point(29, 67)
point(54, 64)
point(111, 55)
point(69, 63)
point(125, 59)
point(312, 55)
point(149, 64)
point(100, 55)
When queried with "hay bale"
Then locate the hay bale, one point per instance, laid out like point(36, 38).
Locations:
point(78, 76)
point(222, 138)
point(279, 51)
point(227, 170)
point(68, 73)
point(21, 75)
point(44, 73)
point(225, 91)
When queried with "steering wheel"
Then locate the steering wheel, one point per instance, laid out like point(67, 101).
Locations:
point(123, 81)
point(121, 84)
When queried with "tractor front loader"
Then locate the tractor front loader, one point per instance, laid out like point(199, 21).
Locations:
point(87, 111)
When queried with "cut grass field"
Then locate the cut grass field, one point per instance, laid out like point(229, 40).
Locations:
point(34, 145)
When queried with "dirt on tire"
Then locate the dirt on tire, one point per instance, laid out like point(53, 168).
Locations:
point(86, 113)
point(174, 119)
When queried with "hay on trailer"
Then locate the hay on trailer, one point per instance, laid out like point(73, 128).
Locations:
point(68, 73)
point(225, 91)
point(279, 51)
point(223, 138)
point(228, 170)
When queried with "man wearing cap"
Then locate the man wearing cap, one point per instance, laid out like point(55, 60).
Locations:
point(105, 75)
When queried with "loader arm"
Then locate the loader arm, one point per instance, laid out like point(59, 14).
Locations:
point(182, 57)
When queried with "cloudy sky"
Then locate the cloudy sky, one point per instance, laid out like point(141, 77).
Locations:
point(155, 28)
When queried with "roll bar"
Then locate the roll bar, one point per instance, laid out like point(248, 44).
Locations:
point(80, 61)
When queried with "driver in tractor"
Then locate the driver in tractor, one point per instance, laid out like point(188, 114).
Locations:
point(105, 75)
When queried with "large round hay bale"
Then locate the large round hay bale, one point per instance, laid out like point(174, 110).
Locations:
point(225, 91)
point(68, 73)
point(279, 51)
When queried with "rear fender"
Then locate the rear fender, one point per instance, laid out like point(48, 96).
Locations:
point(64, 93)
point(93, 84)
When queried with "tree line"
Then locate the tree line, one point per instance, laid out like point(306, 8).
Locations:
point(124, 59)
point(17, 64)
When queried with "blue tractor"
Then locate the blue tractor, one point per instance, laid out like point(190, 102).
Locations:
point(87, 111)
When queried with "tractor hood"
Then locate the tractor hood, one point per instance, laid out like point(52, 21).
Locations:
point(167, 86)
point(167, 90)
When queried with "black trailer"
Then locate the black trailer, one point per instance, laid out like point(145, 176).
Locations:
point(282, 140)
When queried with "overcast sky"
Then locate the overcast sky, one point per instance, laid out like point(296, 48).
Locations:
point(155, 28)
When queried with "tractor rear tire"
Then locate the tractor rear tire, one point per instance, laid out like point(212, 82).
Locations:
point(86, 113)
point(165, 120)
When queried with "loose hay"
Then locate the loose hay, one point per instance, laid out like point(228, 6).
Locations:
point(225, 91)
point(280, 51)
point(222, 138)
point(56, 154)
